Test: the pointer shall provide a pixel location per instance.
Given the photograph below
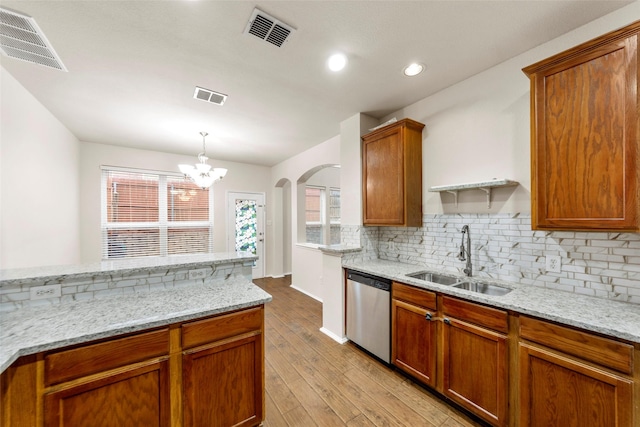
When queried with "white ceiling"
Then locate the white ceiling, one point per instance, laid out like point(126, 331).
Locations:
point(133, 65)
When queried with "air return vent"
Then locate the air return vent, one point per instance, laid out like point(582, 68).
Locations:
point(21, 38)
point(268, 28)
point(209, 96)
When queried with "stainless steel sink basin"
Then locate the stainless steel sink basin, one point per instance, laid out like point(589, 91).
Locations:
point(435, 278)
point(483, 288)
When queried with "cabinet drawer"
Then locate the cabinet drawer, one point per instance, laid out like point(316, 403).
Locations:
point(78, 362)
point(221, 327)
point(414, 295)
point(479, 314)
point(586, 346)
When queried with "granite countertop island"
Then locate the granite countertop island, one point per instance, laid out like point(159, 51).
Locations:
point(613, 318)
point(106, 299)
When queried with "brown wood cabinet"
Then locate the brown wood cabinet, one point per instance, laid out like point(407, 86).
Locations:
point(224, 378)
point(585, 136)
point(467, 360)
point(208, 372)
point(121, 381)
point(475, 362)
point(134, 396)
point(392, 175)
point(572, 378)
point(514, 370)
point(414, 332)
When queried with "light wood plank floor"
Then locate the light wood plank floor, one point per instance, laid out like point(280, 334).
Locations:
point(312, 380)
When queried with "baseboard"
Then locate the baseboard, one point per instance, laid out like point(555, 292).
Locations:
point(334, 336)
point(306, 293)
point(278, 277)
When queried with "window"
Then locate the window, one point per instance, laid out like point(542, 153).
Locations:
point(317, 210)
point(314, 214)
point(154, 214)
point(334, 216)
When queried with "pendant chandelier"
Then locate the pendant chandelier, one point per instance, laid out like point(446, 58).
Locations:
point(202, 174)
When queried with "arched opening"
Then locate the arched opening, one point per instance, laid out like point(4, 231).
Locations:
point(318, 206)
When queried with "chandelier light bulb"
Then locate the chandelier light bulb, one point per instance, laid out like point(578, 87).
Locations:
point(201, 174)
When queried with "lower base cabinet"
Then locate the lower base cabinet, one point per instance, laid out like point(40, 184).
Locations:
point(558, 391)
point(134, 397)
point(570, 377)
point(475, 362)
point(511, 369)
point(222, 384)
point(413, 347)
point(206, 373)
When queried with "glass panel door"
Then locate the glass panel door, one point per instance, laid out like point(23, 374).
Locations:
point(246, 229)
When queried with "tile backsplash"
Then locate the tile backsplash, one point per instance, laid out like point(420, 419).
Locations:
point(503, 246)
point(17, 295)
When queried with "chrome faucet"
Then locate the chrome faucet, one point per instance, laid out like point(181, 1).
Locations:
point(465, 253)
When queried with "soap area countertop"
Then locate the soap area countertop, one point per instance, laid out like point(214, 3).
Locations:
point(165, 295)
point(614, 318)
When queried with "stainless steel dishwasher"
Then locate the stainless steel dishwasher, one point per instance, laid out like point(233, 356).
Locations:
point(368, 313)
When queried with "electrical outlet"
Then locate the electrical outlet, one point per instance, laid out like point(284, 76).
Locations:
point(553, 263)
point(200, 273)
point(43, 292)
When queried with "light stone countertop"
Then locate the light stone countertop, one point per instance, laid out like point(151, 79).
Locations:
point(117, 266)
point(339, 249)
point(613, 318)
point(35, 329)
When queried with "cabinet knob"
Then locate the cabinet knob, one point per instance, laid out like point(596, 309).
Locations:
point(428, 316)
point(447, 321)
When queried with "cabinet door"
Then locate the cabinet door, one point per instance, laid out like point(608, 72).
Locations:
point(392, 175)
point(137, 396)
point(558, 391)
point(585, 138)
point(224, 383)
point(383, 195)
point(475, 369)
point(413, 346)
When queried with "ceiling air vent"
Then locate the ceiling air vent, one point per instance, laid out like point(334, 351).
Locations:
point(21, 38)
point(268, 28)
point(209, 96)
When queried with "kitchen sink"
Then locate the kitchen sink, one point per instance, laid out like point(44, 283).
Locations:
point(435, 278)
point(483, 288)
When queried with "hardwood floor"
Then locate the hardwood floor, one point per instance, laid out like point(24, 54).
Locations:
point(312, 380)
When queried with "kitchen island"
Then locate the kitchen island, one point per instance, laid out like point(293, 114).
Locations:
point(165, 341)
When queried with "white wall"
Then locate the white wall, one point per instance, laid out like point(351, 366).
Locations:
point(39, 197)
point(351, 131)
point(241, 177)
point(479, 129)
point(306, 263)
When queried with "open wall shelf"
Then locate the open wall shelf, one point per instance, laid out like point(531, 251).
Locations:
point(485, 186)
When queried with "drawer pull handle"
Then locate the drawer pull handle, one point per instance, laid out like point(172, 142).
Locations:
point(428, 316)
point(447, 321)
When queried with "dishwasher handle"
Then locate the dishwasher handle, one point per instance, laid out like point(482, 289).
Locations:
point(366, 279)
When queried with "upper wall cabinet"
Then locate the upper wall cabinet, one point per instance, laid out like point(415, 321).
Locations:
point(392, 175)
point(585, 136)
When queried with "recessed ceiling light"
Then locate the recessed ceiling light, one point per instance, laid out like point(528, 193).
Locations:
point(413, 69)
point(337, 61)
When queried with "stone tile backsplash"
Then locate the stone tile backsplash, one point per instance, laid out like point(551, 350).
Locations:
point(16, 296)
point(503, 246)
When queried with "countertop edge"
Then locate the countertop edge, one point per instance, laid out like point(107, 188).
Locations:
point(135, 325)
point(120, 266)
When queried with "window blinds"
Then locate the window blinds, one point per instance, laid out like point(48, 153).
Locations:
point(154, 214)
